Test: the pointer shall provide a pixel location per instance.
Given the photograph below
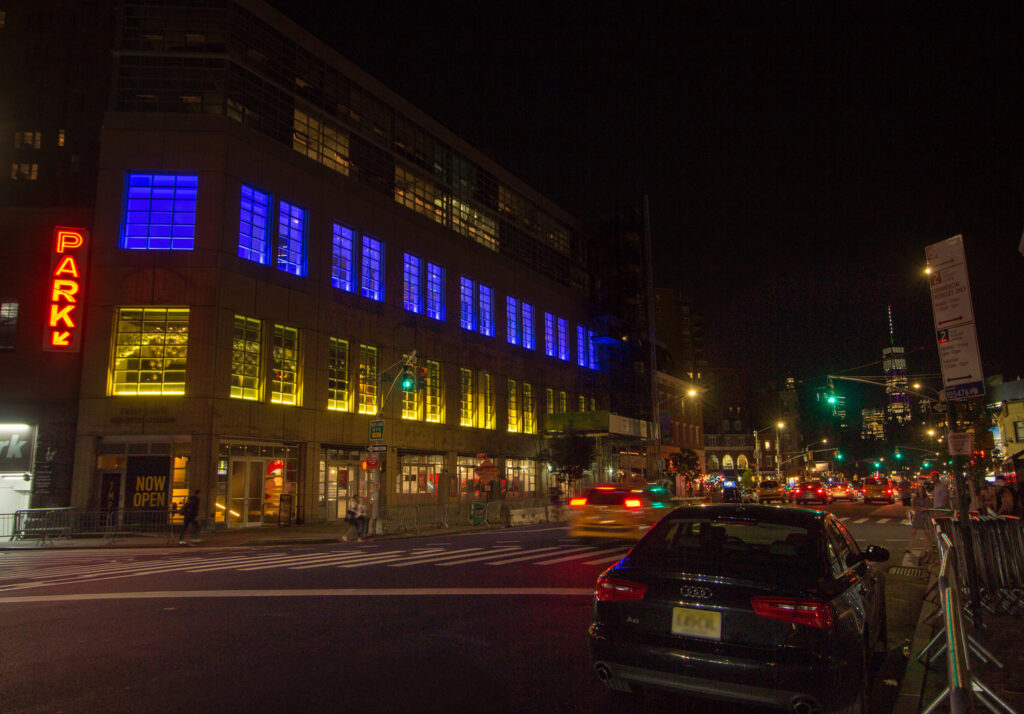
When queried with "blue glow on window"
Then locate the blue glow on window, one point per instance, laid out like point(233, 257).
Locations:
point(412, 297)
point(435, 292)
point(253, 225)
point(593, 350)
point(291, 238)
point(159, 212)
point(549, 334)
point(372, 283)
point(563, 339)
point(528, 341)
point(467, 310)
point(512, 320)
point(581, 346)
point(486, 311)
point(341, 258)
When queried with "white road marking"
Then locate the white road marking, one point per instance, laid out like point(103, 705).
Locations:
point(437, 559)
point(601, 561)
point(525, 557)
point(575, 557)
point(883, 520)
point(392, 557)
point(339, 560)
point(861, 520)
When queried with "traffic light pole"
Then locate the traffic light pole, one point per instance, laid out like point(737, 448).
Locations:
point(379, 489)
point(963, 503)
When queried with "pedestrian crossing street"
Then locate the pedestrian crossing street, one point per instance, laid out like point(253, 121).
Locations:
point(61, 567)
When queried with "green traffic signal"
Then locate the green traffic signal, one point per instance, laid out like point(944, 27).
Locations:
point(831, 399)
point(899, 454)
point(839, 455)
point(408, 382)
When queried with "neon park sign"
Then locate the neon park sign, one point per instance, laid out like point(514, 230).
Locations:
point(64, 299)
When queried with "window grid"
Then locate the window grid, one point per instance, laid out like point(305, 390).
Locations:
point(466, 397)
point(582, 404)
point(549, 334)
point(291, 238)
point(253, 225)
point(514, 415)
point(412, 295)
point(592, 349)
point(528, 341)
point(563, 339)
point(367, 379)
point(487, 389)
point(435, 292)
point(529, 415)
point(467, 312)
point(8, 324)
point(562, 402)
point(549, 395)
point(150, 353)
point(342, 264)
point(159, 212)
point(581, 346)
point(486, 301)
point(432, 393)
point(246, 348)
point(411, 397)
point(593, 404)
point(337, 376)
point(285, 380)
point(512, 320)
point(372, 284)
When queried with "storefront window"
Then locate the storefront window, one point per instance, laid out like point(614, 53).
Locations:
point(419, 474)
point(522, 477)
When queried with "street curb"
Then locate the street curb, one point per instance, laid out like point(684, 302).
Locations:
point(908, 700)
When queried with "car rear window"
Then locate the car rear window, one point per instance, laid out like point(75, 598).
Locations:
point(729, 546)
point(872, 481)
point(606, 498)
point(769, 484)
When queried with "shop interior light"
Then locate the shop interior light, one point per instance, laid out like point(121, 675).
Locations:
point(14, 427)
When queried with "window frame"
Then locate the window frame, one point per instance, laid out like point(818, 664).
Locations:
point(250, 252)
point(178, 219)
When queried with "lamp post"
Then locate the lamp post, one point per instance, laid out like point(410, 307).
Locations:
point(778, 449)
point(757, 446)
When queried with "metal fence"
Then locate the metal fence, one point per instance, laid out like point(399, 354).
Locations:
point(47, 524)
point(414, 518)
point(6, 525)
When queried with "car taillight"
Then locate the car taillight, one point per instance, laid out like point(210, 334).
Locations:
point(863, 490)
point(821, 490)
point(888, 490)
point(800, 612)
point(614, 590)
point(578, 502)
point(632, 503)
point(796, 490)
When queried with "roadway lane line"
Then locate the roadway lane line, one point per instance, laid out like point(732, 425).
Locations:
point(321, 592)
point(533, 554)
point(861, 520)
point(579, 555)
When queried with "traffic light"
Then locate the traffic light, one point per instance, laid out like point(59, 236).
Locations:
point(899, 454)
point(831, 399)
point(408, 380)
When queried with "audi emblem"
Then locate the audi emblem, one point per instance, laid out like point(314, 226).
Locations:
point(692, 591)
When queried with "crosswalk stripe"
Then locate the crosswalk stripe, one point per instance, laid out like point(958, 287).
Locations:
point(524, 557)
point(578, 554)
point(288, 560)
point(605, 551)
point(337, 560)
point(600, 561)
point(388, 558)
point(861, 520)
point(437, 560)
point(883, 520)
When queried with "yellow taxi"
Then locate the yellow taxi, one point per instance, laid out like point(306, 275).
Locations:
point(616, 512)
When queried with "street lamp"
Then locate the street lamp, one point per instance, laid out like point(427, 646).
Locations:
point(757, 447)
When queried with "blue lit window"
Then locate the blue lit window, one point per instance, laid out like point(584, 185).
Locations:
point(581, 346)
point(486, 311)
point(592, 349)
point(341, 259)
point(291, 238)
point(412, 297)
point(372, 282)
point(253, 226)
point(435, 292)
point(563, 340)
point(550, 346)
point(512, 320)
point(528, 341)
point(467, 308)
point(159, 212)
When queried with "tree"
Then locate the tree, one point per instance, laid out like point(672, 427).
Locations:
point(572, 454)
point(747, 478)
point(688, 463)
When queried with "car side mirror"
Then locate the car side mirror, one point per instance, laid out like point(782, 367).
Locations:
point(874, 553)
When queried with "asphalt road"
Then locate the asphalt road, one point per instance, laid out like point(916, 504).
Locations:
point(492, 621)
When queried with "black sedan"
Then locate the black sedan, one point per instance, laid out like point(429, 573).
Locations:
point(766, 605)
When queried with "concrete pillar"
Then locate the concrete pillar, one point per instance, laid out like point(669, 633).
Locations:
point(84, 489)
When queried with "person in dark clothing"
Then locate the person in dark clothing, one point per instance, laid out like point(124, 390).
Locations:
point(190, 511)
point(1006, 498)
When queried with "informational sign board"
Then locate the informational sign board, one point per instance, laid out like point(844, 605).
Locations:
point(953, 312)
point(960, 443)
point(377, 448)
point(147, 483)
point(377, 430)
point(17, 448)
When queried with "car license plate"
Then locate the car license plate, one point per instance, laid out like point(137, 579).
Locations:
point(697, 623)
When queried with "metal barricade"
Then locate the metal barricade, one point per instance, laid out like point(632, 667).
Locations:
point(45, 524)
point(6, 525)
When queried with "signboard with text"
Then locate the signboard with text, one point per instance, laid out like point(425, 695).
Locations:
point(377, 430)
point(17, 448)
point(147, 484)
point(953, 312)
point(65, 290)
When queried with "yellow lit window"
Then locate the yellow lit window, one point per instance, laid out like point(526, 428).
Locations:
point(514, 416)
point(285, 382)
point(367, 379)
point(582, 403)
point(550, 400)
point(411, 398)
point(246, 345)
point(432, 393)
point(337, 376)
point(487, 392)
point(150, 351)
point(466, 397)
point(593, 404)
point(562, 402)
point(529, 415)
point(320, 142)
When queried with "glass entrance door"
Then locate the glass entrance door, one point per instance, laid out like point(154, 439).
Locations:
point(246, 492)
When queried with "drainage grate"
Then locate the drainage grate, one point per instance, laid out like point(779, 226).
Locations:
point(908, 572)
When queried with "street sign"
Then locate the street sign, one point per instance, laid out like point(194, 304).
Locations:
point(372, 464)
point(377, 430)
point(953, 313)
point(376, 448)
point(960, 443)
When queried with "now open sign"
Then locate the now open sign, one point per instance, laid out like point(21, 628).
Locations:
point(147, 486)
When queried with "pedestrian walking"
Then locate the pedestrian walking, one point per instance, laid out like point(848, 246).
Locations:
point(190, 511)
point(940, 493)
point(919, 521)
point(906, 494)
point(1006, 498)
point(356, 518)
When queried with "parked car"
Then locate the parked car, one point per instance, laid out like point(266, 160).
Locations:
point(876, 488)
point(769, 491)
point(767, 606)
point(811, 492)
point(614, 512)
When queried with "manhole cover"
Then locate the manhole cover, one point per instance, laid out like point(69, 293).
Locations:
point(908, 572)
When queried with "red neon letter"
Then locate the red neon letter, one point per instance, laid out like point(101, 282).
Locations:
point(61, 314)
point(64, 289)
point(67, 266)
point(69, 239)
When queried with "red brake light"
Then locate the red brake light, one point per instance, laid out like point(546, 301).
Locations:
point(577, 502)
point(796, 490)
point(604, 488)
point(632, 503)
point(612, 590)
point(821, 490)
point(888, 490)
point(800, 612)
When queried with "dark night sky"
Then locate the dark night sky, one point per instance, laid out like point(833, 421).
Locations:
point(798, 161)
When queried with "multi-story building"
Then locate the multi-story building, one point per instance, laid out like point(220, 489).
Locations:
point(231, 248)
point(894, 363)
point(872, 424)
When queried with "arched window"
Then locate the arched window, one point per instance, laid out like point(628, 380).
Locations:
point(712, 463)
point(741, 463)
point(727, 463)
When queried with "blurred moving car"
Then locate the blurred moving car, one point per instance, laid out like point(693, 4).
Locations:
point(748, 495)
point(769, 491)
point(842, 491)
point(732, 494)
point(877, 488)
point(614, 512)
point(775, 607)
point(811, 492)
